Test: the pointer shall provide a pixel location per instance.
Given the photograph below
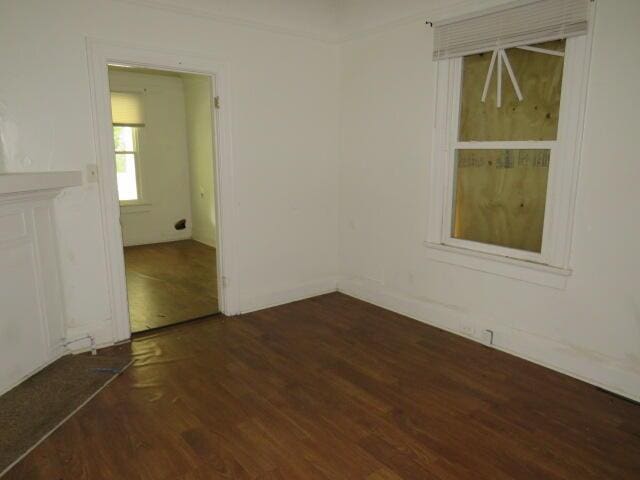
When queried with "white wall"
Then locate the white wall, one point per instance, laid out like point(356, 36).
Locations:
point(283, 110)
point(198, 104)
point(163, 160)
point(590, 329)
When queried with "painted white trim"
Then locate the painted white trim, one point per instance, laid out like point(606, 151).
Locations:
point(290, 294)
point(445, 9)
point(544, 51)
point(561, 189)
point(495, 250)
point(152, 238)
point(100, 54)
point(100, 330)
point(233, 20)
point(14, 183)
point(508, 145)
point(588, 366)
point(535, 273)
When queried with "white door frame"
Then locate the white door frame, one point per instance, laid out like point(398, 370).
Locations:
point(102, 53)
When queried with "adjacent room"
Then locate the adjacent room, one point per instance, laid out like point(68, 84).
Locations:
point(319, 239)
point(164, 154)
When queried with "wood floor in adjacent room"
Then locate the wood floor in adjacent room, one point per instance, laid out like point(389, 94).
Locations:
point(169, 283)
point(335, 388)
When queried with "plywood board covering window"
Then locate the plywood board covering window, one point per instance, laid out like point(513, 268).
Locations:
point(500, 197)
point(500, 194)
point(534, 118)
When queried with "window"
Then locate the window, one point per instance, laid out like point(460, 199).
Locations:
point(127, 171)
point(507, 140)
point(502, 154)
point(127, 115)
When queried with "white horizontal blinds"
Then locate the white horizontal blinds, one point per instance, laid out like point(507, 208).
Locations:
point(523, 22)
point(127, 109)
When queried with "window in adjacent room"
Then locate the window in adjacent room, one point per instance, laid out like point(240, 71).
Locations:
point(510, 101)
point(125, 142)
point(128, 120)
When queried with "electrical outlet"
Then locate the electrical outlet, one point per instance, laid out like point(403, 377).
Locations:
point(487, 337)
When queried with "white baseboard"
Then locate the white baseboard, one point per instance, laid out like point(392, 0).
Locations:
point(151, 239)
point(101, 331)
point(587, 366)
point(288, 295)
point(210, 241)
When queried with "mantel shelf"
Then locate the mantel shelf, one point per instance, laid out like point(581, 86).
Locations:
point(24, 182)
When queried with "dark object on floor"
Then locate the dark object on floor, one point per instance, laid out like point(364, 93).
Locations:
point(335, 388)
point(180, 224)
point(38, 405)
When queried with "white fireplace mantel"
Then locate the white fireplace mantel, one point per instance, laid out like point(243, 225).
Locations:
point(32, 314)
point(19, 183)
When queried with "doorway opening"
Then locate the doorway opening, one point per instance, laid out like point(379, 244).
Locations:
point(164, 158)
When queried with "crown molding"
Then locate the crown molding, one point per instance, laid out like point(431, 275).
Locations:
point(233, 20)
point(440, 10)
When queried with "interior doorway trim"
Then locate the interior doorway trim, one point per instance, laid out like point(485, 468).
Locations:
point(100, 55)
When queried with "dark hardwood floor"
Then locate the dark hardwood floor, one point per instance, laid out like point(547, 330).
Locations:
point(335, 388)
point(170, 283)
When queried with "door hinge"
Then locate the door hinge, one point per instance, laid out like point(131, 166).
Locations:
point(225, 282)
point(216, 102)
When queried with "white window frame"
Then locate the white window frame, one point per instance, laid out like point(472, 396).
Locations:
point(136, 159)
point(551, 265)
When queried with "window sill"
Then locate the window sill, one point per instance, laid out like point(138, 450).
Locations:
point(523, 270)
point(134, 207)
